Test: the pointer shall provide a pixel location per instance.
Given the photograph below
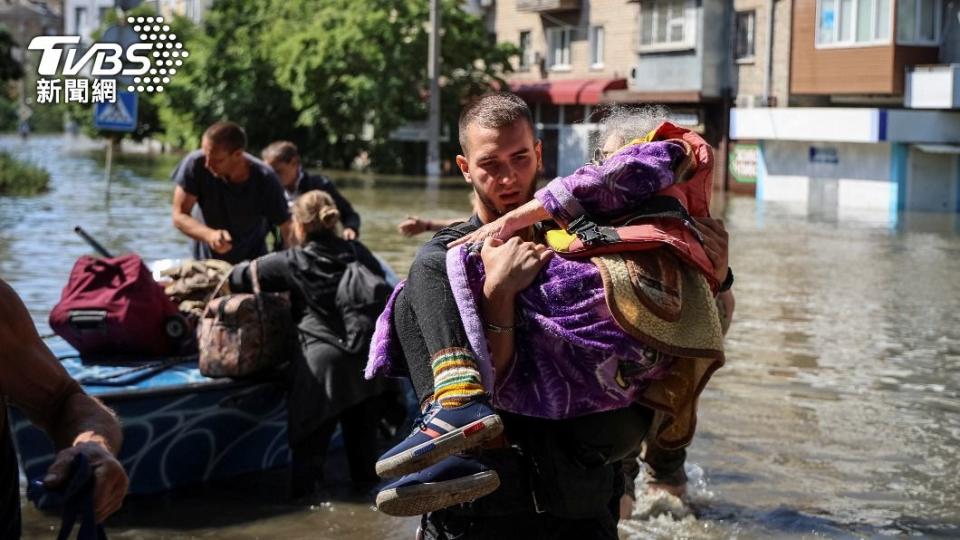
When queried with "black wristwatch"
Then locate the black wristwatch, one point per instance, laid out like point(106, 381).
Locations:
point(728, 282)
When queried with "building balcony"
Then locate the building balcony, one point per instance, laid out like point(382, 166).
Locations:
point(933, 87)
point(547, 6)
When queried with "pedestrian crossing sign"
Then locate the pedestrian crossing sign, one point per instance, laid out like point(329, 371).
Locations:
point(121, 115)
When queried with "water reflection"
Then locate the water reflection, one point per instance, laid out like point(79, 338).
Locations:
point(836, 414)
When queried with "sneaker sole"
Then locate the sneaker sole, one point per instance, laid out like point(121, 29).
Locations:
point(422, 456)
point(420, 499)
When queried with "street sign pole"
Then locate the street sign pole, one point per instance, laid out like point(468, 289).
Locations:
point(433, 73)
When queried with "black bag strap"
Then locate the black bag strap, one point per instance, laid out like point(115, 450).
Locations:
point(657, 207)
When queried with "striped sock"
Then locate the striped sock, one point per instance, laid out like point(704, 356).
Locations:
point(456, 377)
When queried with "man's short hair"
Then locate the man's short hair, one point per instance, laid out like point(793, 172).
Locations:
point(282, 151)
point(226, 135)
point(493, 111)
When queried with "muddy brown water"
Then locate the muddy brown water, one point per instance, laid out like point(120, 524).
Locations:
point(837, 414)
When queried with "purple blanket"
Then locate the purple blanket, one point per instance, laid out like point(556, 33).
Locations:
point(571, 357)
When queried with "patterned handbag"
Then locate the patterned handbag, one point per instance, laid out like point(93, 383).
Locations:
point(242, 334)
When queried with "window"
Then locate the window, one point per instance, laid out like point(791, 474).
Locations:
point(596, 47)
point(558, 39)
point(526, 51)
point(80, 19)
point(843, 23)
point(746, 22)
point(918, 22)
point(666, 25)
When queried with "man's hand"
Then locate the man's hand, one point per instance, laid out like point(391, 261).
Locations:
point(110, 480)
point(349, 234)
point(413, 225)
point(219, 240)
point(716, 244)
point(511, 266)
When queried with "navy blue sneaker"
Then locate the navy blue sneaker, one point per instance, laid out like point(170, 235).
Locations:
point(455, 480)
point(440, 433)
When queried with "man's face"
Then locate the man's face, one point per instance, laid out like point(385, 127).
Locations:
point(218, 160)
point(287, 171)
point(502, 165)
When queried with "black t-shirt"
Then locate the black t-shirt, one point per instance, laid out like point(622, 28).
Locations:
point(9, 481)
point(244, 209)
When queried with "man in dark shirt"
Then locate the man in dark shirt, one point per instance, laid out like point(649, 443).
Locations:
point(32, 379)
point(238, 195)
point(284, 158)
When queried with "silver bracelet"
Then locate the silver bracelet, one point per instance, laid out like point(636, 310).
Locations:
point(497, 329)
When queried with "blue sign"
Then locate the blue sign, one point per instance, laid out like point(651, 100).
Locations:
point(823, 154)
point(120, 115)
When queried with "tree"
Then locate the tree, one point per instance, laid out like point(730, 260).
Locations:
point(335, 76)
point(10, 69)
point(351, 65)
point(228, 75)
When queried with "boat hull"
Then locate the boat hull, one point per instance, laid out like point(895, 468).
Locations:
point(179, 428)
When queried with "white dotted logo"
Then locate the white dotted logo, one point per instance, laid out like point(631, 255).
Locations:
point(166, 58)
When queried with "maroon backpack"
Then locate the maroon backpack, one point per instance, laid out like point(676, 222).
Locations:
point(113, 306)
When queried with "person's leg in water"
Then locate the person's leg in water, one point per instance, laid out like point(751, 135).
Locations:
point(308, 456)
point(359, 425)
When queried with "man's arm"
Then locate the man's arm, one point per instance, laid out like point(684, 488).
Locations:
point(35, 381)
point(183, 203)
point(510, 267)
point(286, 234)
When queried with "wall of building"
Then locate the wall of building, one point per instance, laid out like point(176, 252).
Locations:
point(673, 71)
point(715, 28)
point(749, 75)
point(93, 8)
point(950, 50)
point(618, 18)
point(827, 176)
point(932, 181)
point(875, 69)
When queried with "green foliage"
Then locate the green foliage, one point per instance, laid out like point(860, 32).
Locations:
point(10, 69)
point(228, 75)
point(8, 114)
point(20, 178)
point(334, 76)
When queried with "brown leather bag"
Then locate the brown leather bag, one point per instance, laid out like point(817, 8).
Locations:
point(242, 334)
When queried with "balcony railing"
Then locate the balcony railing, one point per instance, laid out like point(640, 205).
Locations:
point(545, 6)
point(933, 87)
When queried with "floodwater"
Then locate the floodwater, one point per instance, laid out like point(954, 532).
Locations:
point(837, 414)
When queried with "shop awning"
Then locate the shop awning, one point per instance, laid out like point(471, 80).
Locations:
point(566, 92)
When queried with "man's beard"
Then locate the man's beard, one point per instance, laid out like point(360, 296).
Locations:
point(490, 206)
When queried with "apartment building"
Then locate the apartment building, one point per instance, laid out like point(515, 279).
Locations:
point(873, 126)
point(572, 51)
point(579, 56)
point(761, 72)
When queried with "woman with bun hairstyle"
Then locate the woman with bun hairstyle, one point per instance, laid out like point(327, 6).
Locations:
point(326, 384)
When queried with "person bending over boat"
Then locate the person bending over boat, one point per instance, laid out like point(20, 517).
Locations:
point(238, 196)
point(284, 158)
point(326, 383)
point(32, 379)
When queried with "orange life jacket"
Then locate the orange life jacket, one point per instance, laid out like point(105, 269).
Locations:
point(666, 220)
